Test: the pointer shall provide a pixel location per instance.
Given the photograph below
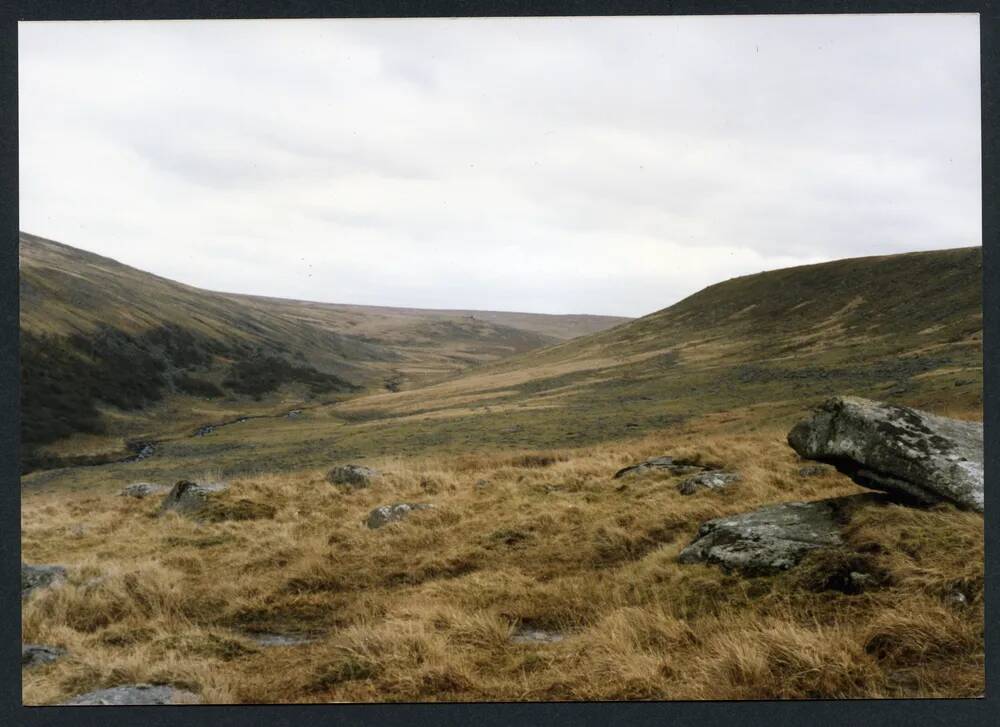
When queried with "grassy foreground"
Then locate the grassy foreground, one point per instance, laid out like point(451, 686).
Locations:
point(425, 609)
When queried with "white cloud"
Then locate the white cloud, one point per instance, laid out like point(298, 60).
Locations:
point(600, 165)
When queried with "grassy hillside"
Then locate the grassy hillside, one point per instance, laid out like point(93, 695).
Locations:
point(111, 350)
point(531, 534)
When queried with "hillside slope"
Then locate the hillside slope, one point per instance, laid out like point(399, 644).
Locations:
point(903, 328)
point(104, 345)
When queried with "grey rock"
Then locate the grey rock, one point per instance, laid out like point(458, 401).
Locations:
point(353, 476)
point(768, 540)
point(134, 694)
point(36, 655)
point(391, 513)
point(142, 490)
point(659, 464)
point(189, 498)
point(273, 639)
point(713, 480)
point(896, 449)
point(528, 635)
point(34, 577)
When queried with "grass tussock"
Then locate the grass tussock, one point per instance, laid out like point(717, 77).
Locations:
point(428, 608)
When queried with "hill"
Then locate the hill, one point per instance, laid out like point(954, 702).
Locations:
point(535, 573)
point(110, 350)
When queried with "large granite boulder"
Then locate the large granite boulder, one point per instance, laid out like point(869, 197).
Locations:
point(896, 449)
point(34, 577)
point(36, 655)
point(352, 476)
point(712, 480)
point(190, 498)
point(660, 464)
point(135, 694)
point(768, 540)
point(391, 513)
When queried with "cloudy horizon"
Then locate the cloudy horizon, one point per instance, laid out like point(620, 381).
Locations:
point(558, 165)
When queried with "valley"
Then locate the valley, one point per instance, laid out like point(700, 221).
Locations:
point(491, 548)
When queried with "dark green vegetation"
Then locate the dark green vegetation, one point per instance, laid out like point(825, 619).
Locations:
point(115, 353)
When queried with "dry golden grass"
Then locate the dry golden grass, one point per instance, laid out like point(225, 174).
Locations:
point(425, 609)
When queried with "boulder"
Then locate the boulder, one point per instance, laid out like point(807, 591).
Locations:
point(391, 513)
point(352, 476)
point(142, 490)
point(190, 498)
point(36, 655)
point(660, 464)
point(907, 452)
point(135, 694)
point(768, 540)
point(713, 480)
point(34, 577)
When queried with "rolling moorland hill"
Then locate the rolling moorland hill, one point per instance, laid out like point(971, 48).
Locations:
point(111, 350)
point(525, 568)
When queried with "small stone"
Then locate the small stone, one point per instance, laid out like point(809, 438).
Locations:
point(140, 490)
point(528, 635)
point(34, 577)
point(392, 513)
point(714, 480)
point(189, 497)
point(352, 476)
point(659, 464)
point(36, 655)
point(135, 694)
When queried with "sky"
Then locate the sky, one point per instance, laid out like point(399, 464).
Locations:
point(553, 165)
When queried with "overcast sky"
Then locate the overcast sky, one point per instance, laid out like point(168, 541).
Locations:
point(589, 165)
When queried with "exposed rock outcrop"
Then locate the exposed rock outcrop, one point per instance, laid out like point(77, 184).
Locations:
point(660, 464)
point(352, 476)
point(135, 694)
point(768, 540)
point(391, 513)
point(36, 655)
point(713, 480)
point(34, 577)
point(896, 449)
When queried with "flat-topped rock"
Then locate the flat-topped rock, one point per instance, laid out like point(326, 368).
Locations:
point(34, 577)
point(134, 695)
point(36, 655)
point(660, 464)
point(768, 540)
point(352, 476)
point(140, 490)
point(896, 449)
point(392, 513)
point(713, 480)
